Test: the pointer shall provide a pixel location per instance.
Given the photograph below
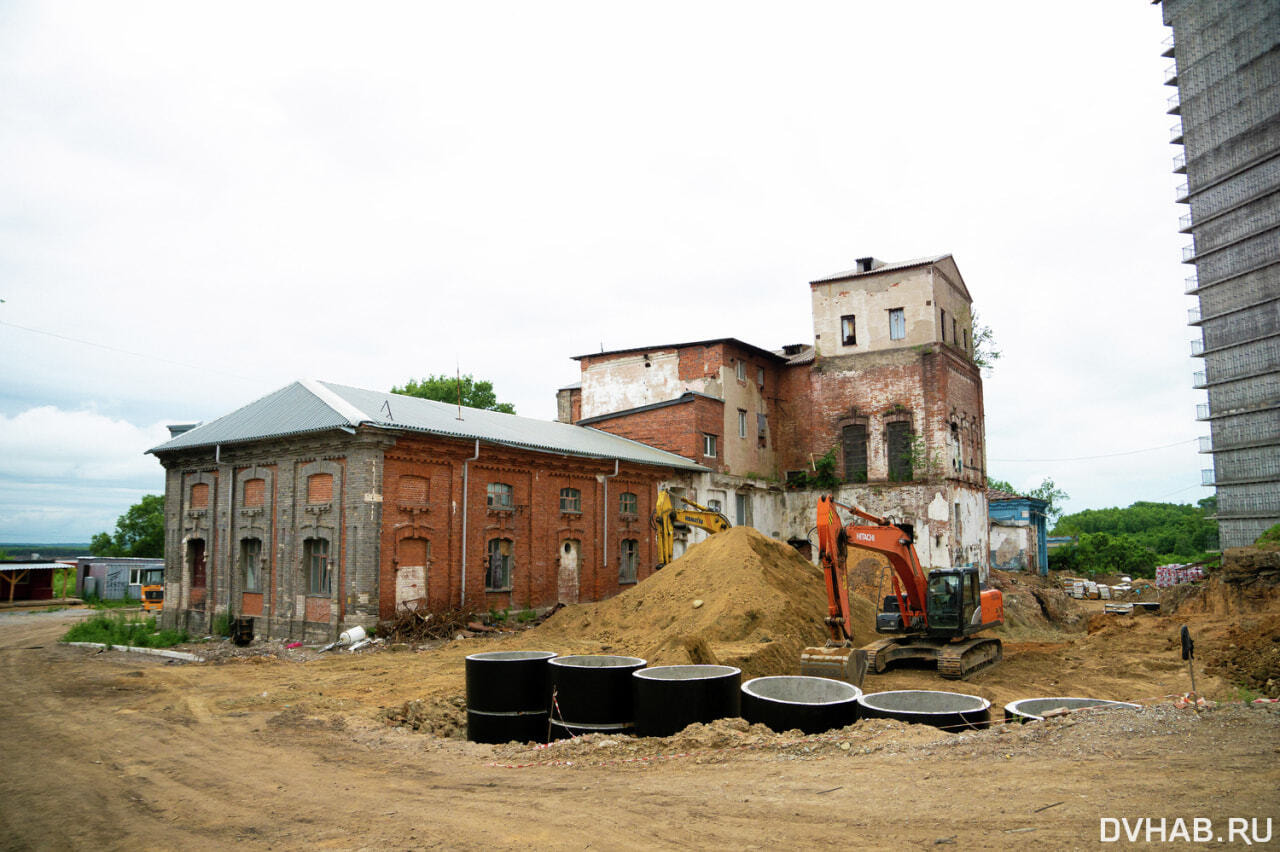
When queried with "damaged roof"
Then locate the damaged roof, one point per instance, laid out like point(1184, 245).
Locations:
point(732, 340)
point(306, 407)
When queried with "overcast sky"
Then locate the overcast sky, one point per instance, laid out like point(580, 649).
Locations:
point(200, 203)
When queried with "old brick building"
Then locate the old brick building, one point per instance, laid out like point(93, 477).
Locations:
point(322, 506)
point(889, 388)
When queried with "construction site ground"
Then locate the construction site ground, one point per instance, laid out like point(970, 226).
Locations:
point(269, 747)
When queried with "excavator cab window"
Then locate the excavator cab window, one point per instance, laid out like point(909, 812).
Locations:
point(972, 599)
point(944, 602)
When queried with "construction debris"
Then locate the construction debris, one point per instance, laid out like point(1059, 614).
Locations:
point(418, 625)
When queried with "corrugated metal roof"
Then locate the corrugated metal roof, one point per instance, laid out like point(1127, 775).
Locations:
point(291, 410)
point(314, 406)
point(888, 267)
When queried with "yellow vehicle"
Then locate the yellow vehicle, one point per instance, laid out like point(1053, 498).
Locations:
point(667, 520)
point(153, 590)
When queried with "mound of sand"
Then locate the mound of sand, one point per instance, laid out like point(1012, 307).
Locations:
point(761, 604)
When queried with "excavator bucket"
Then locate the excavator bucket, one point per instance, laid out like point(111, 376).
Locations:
point(847, 664)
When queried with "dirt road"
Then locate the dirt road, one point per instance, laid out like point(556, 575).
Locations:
point(115, 751)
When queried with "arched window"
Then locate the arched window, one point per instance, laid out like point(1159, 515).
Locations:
point(498, 495)
point(497, 573)
point(570, 500)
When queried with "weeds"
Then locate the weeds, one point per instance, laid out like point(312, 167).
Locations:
point(119, 629)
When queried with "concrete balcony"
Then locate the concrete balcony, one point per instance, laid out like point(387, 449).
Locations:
point(1175, 105)
point(1197, 348)
point(1180, 193)
point(1180, 163)
point(1192, 284)
point(1202, 411)
point(1189, 253)
point(1184, 223)
point(1171, 74)
point(1193, 316)
point(1206, 444)
point(1175, 134)
point(1168, 46)
point(1199, 380)
point(1206, 476)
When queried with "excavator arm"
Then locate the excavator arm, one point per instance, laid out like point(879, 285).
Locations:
point(667, 519)
point(879, 536)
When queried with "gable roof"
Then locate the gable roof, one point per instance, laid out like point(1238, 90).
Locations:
point(886, 267)
point(306, 407)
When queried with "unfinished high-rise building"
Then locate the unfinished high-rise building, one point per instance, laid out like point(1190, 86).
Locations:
point(1226, 68)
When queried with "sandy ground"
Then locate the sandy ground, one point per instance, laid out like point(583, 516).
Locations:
point(114, 751)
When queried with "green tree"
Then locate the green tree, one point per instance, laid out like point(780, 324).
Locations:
point(139, 531)
point(444, 388)
point(1049, 492)
point(985, 353)
point(1001, 485)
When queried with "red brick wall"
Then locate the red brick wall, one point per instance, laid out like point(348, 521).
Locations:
point(677, 428)
point(934, 387)
point(534, 524)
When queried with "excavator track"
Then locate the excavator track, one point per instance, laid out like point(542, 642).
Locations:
point(958, 660)
point(875, 653)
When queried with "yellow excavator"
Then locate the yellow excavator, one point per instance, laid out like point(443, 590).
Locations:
point(667, 520)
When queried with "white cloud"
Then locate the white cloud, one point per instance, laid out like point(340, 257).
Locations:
point(48, 444)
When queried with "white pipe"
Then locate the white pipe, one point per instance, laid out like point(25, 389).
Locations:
point(465, 464)
point(604, 546)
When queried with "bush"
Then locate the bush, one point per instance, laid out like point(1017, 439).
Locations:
point(1271, 536)
point(221, 625)
point(118, 629)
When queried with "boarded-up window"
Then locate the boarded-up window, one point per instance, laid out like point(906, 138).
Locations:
point(497, 574)
point(897, 324)
point(413, 489)
point(255, 492)
point(320, 488)
point(854, 441)
point(200, 496)
point(628, 560)
point(899, 447)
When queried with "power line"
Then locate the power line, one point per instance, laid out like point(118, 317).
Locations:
point(125, 351)
point(1105, 455)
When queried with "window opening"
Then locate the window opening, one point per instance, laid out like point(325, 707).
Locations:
point(570, 500)
point(497, 575)
point(897, 324)
point(849, 330)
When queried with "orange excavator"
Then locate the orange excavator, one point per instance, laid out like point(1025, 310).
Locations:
point(933, 617)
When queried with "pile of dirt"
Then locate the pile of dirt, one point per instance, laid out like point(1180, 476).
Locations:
point(1248, 581)
point(1035, 606)
point(738, 598)
point(1250, 658)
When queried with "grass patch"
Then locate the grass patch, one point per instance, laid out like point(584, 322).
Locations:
point(119, 629)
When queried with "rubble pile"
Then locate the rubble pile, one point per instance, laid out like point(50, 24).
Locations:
point(738, 598)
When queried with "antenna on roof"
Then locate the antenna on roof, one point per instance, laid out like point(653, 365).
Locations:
point(386, 406)
point(458, 365)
